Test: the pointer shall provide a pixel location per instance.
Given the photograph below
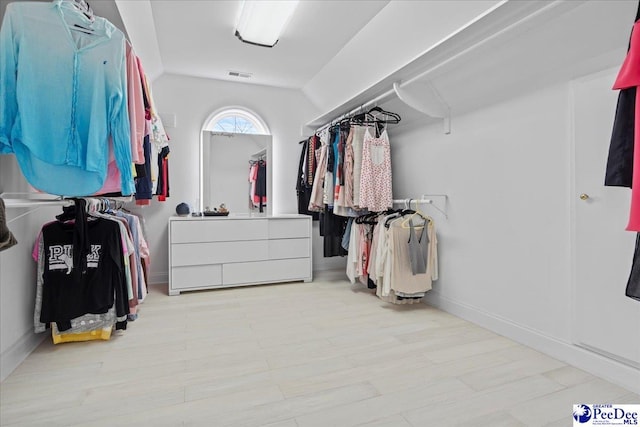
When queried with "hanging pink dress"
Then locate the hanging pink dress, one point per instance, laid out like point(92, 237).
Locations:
point(375, 179)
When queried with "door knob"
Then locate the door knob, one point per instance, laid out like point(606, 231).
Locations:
point(584, 196)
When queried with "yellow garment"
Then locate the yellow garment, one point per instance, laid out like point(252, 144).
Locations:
point(98, 334)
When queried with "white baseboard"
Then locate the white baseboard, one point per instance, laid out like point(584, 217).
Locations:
point(159, 278)
point(12, 357)
point(608, 369)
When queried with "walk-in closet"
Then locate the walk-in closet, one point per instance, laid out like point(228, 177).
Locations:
point(319, 213)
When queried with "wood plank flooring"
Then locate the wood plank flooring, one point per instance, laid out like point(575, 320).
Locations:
point(295, 355)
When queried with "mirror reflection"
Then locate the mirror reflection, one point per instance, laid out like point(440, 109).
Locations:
point(236, 172)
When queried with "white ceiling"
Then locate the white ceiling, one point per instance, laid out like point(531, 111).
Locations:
point(196, 38)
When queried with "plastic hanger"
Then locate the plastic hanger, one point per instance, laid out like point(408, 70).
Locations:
point(384, 116)
point(84, 7)
point(417, 212)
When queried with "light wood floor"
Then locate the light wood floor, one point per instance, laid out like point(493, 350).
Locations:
point(318, 354)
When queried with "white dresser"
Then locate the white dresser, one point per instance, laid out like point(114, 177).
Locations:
point(219, 252)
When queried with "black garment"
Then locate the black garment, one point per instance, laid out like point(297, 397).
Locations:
point(332, 228)
point(633, 286)
point(303, 189)
point(619, 171)
point(331, 155)
point(162, 189)
point(102, 285)
point(342, 144)
point(81, 245)
point(261, 184)
point(144, 187)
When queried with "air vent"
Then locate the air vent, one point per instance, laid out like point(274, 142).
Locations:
point(240, 74)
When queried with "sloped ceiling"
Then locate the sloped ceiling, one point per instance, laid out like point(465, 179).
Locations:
point(138, 19)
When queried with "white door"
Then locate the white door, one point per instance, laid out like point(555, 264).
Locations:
point(606, 321)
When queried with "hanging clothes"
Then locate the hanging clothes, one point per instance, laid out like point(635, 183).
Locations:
point(338, 191)
point(394, 255)
point(261, 185)
point(332, 228)
point(306, 175)
point(352, 176)
point(619, 172)
point(68, 109)
point(418, 249)
point(357, 143)
point(135, 102)
point(65, 297)
point(620, 150)
point(316, 203)
point(624, 151)
point(84, 323)
point(343, 197)
point(111, 284)
point(144, 186)
point(633, 285)
point(162, 190)
point(258, 181)
point(330, 179)
point(375, 180)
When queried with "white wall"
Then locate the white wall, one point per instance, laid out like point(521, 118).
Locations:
point(18, 273)
point(504, 249)
point(193, 100)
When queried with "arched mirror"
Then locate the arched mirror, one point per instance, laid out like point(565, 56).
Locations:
point(235, 163)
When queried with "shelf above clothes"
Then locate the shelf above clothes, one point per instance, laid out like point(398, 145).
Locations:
point(34, 201)
point(31, 202)
point(513, 48)
point(27, 200)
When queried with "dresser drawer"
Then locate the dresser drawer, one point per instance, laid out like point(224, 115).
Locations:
point(289, 228)
point(196, 276)
point(218, 230)
point(289, 248)
point(266, 271)
point(218, 252)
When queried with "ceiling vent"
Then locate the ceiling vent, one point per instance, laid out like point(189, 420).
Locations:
point(240, 74)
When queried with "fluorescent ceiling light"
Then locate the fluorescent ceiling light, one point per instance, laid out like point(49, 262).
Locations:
point(262, 21)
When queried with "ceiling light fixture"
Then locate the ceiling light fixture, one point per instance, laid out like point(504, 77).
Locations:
point(261, 21)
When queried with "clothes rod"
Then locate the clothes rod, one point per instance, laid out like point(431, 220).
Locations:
point(374, 101)
point(31, 204)
point(409, 201)
point(28, 200)
point(423, 200)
